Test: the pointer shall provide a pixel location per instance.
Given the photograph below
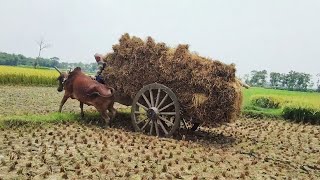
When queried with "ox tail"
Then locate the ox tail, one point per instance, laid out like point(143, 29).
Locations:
point(98, 94)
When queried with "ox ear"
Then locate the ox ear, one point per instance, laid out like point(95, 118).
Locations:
point(57, 69)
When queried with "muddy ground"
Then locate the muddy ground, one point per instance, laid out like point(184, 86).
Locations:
point(246, 149)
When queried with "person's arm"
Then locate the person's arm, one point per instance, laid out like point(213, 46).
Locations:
point(101, 66)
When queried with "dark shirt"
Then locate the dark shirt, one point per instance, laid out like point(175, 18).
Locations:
point(101, 66)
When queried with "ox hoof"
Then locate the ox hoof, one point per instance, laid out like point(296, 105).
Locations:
point(106, 126)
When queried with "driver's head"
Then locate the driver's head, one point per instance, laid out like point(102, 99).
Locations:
point(98, 57)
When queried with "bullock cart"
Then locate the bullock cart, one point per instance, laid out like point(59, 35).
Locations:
point(167, 88)
point(156, 110)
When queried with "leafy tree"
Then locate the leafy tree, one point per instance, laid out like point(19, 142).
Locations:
point(275, 79)
point(18, 60)
point(303, 81)
point(246, 78)
point(291, 79)
point(54, 61)
point(295, 81)
point(311, 85)
point(283, 80)
point(258, 78)
point(8, 59)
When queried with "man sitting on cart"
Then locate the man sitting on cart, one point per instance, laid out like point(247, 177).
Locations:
point(101, 66)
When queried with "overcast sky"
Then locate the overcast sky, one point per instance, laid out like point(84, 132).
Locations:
point(276, 35)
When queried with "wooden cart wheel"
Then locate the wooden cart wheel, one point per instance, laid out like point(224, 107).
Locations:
point(155, 110)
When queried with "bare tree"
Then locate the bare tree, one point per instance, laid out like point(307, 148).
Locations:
point(42, 45)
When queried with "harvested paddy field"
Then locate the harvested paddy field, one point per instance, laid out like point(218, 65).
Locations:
point(248, 148)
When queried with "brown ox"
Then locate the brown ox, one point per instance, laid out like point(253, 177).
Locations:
point(79, 86)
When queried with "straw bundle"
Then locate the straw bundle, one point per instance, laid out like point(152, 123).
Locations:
point(207, 90)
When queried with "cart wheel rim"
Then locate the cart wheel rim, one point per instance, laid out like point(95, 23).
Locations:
point(155, 110)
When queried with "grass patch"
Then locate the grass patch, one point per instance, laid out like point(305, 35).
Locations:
point(306, 97)
point(300, 106)
point(259, 112)
point(21, 120)
point(264, 101)
point(301, 112)
point(34, 119)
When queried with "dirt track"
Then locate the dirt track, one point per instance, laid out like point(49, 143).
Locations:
point(254, 149)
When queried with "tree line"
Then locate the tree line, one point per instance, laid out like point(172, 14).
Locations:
point(21, 60)
point(293, 81)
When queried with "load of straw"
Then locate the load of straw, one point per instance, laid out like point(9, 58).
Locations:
point(207, 89)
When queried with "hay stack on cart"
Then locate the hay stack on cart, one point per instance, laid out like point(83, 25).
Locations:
point(164, 85)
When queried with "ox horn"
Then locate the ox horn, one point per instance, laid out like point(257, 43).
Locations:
point(58, 70)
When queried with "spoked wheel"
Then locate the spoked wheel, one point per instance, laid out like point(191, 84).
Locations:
point(155, 110)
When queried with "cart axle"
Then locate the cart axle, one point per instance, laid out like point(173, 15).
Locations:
point(153, 113)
